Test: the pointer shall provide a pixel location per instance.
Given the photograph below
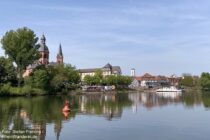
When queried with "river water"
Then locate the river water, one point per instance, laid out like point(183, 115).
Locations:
point(120, 116)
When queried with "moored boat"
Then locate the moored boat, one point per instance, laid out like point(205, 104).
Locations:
point(169, 89)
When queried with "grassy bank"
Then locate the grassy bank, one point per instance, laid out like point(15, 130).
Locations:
point(7, 90)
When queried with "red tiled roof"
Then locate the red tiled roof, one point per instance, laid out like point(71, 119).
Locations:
point(138, 78)
point(147, 75)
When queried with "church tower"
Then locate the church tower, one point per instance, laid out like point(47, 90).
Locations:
point(60, 55)
point(43, 51)
point(133, 72)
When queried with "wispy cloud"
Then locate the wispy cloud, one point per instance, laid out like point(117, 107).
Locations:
point(154, 36)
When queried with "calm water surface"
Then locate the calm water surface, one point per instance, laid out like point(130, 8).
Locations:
point(122, 116)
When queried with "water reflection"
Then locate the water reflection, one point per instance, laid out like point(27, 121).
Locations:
point(32, 115)
point(106, 105)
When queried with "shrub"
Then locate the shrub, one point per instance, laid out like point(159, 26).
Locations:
point(5, 89)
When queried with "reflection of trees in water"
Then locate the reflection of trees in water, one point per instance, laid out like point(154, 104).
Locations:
point(206, 99)
point(150, 100)
point(57, 129)
point(31, 113)
point(192, 98)
point(24, 113)
point(107, 105)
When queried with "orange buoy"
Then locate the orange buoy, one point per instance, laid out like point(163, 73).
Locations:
point(66, 107)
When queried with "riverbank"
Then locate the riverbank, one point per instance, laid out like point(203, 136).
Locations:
point(8, 90)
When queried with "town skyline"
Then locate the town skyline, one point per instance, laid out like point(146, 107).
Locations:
point(131, 34)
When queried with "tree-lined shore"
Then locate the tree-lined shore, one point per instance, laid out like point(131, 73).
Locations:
point(20, 48)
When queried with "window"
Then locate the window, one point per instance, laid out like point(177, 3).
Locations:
point(45, 56)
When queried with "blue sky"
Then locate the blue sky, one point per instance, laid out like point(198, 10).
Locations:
point(156, 36)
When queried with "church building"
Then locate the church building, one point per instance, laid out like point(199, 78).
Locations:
point(44, 57)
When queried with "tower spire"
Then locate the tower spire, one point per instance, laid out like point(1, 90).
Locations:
point(43, 39)
point(60, 50)
point(60, 55)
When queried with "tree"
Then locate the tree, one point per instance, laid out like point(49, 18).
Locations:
point(88, 80)
point(38, 79)
point(41, 79)
point(20, 46)
point(124, 80)
point(7, 71)
point(111, 80)
point(187, 81)
point(99, 74)
point(117, 80)
point(205, 81)
point(63, 77)
point(96, 79)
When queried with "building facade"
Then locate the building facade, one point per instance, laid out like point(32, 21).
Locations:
point(44, 57)
point(108, 69)
point(150, 81)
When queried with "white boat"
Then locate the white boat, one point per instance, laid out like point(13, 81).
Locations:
point(169, 89)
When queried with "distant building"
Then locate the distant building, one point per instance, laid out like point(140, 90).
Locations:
point(134, 84)
point(133, 72)
point(147, 80)
point(174, 80)
point(44, 57)
point(150, 81)
point(108, 69)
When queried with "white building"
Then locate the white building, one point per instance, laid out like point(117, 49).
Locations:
point(108, 69)
point(133, 72)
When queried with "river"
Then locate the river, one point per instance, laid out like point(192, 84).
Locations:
point(120, 116)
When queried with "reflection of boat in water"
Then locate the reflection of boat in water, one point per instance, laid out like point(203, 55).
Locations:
point(169, 89)
point(169, 92)
point(92, 88)
point(172, 95)
point(97, 88)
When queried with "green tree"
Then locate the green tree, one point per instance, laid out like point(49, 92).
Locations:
point(96, 79)
point(41, 79)
point(92, 80)
point(99, 74)
point(111, 80)
point(63, 77)
point(88, 80)
point(187, 81)
point(38, 79)
point(117, 80)
point(7, 71)
point(19, 45)
point(205, 81)
point(124, 80)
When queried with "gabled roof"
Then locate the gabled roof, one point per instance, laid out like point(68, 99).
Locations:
point(161, 78)
point(108, 66)
point(147, 75)
point(88, 70)
point(116, 68)
point(112, 68)
point(138, 78)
